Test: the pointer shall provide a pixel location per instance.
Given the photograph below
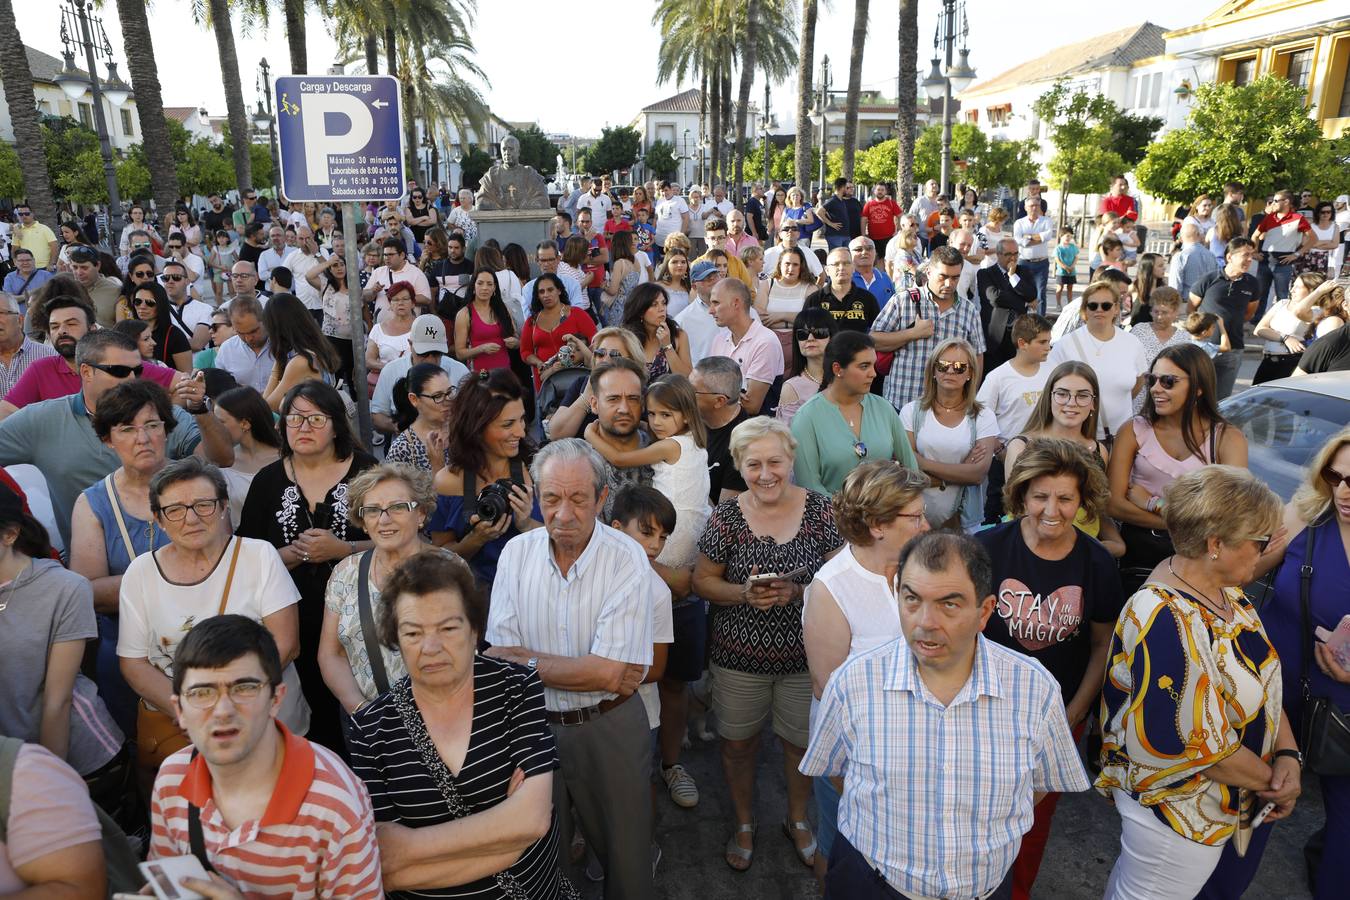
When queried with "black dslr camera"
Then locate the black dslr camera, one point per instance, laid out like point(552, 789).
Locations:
point(494, 500)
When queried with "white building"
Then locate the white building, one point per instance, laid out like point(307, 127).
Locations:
point(675, 120)
point(198, 122)
point(124, 128)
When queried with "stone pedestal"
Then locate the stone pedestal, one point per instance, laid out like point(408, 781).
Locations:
point(526, 227)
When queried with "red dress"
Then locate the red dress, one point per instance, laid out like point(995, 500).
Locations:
point(535, 341)
point(480, 333)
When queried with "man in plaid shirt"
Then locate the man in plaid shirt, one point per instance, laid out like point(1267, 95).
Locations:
point(914, 322)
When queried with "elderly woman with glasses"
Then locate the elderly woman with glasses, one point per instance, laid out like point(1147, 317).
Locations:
point(1194, 737)
point(391, 502)
point(201, 571)
point(299, 504)
point(457, 756)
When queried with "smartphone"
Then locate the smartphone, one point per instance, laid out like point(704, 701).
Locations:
point(165, 876)
point(1261, 816)
point(1338, 641)
point(768, 577)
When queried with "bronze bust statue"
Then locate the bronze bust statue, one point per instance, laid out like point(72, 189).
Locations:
point(511, 185)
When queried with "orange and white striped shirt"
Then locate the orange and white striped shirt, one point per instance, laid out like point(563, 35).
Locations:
point(316, 838)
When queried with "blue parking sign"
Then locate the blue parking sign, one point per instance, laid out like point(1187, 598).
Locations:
point(341, 137)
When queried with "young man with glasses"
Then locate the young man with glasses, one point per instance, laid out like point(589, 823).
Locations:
point(58, 435)
point(31, 234)
point(264, 809)
point(397, 268)
point(274, 254)
point(789, 233)
point(244, 215)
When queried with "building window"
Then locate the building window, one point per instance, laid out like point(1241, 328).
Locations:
point(126, 123)
point(1298, 67)
point(1344, 110)
point(86, 115)
point(999, 116)
point(1155, 94)
point(1244, 71)
point(1132, 91)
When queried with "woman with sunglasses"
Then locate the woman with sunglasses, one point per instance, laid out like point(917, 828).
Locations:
point(812, 330)
point(140, 269)
point(1327, 237)
point(390, 501)
point(299, 504)
point(1179, 430)
point(220, 331)
point(419, 215)
point(422, 401)
point(1116, 356)
point(185, 224)
point(202, 570)
point(1317, 524)
point(845, 424)
point(574, 412)
point(953, 435)
point(1194, 739)
point(150, 303)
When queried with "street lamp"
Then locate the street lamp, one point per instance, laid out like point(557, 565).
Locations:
point(81, 31)
point(686, 175)
point(767, 122)
point(945, 80)
point(266, 119)
point(824, 108)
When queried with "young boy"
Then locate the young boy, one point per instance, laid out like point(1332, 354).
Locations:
point(644, 514)
point(1200, 326)
point(942, 232)
point(644, 235)
point(1011, 391)
point(1113, 255)
point(1066, 261)
point(618, 221)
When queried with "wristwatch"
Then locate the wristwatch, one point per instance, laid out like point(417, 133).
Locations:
point(1295, 755)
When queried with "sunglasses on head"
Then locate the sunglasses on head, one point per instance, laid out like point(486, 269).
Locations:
point(1335, 479)
point(804, 334)
point(1167, 381)
point(1104, 306)
point(119, 371)
point(953, 368)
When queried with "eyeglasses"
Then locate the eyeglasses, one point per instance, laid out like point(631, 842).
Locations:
point(1167, 381)
point(439, 396)
point(119, 371)
point(952, 368)
point(175, 277)
point(1334, 479)
point(399, 510)
point(242, 275)
point(805, 334)
point(860, 450)
point(611, 354)
point(1262, 542)
point(148, 304)
point(177, 512)
point(315, 420)
point(1076, 398)
point(1105, 306)
point(214, 325)
point(142, 273)
point(205, 696)
point(153, 428)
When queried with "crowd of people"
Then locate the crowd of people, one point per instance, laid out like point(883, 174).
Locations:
point(960, 556)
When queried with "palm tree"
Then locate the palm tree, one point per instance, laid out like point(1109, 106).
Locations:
point(743, 100)
point(907, 97)
point(358, 22)
point(295, 35)
point(18, 82)
point(805, 64)
point(855, 60)
point(149, 105)
point(216, 15)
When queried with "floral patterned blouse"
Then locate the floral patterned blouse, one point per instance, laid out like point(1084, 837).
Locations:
point(765, 641)
point(1185, 690)
point(341, 601)
point(409, 448)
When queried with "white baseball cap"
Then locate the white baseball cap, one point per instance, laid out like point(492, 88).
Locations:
point(428, 334)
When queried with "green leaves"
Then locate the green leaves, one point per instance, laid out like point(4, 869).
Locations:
point(1093, 139)
point(616, 149)
point(989, 163)
point(537, 150)
point(661, 161)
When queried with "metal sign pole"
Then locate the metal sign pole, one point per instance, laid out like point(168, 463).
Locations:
point(358, 320)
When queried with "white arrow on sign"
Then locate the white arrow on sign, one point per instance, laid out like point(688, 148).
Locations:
point(379, 104)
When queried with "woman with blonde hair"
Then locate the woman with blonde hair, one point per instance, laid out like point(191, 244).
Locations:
point(953, 435)
point(574, 413)
point(990, 233)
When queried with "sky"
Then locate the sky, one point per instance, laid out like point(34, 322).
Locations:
point(523, 65)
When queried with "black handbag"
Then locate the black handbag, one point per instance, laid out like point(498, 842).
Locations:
point(1325, 737)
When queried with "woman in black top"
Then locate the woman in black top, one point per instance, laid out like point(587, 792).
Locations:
point(419, 215)
point(299, 505)
point(150, 303)
point(459, 747)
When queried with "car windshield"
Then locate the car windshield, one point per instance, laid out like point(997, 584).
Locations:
point(1284, 428)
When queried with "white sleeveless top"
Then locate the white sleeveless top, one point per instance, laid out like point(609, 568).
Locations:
point(865, 599)
point(788, 300)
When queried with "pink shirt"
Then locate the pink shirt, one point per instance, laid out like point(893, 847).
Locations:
point(50, 378)
point(1154, 468)
point(759, 353)
point(737, 244)
point(49, 810)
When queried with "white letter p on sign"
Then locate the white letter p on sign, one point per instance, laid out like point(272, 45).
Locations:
point(319, 144)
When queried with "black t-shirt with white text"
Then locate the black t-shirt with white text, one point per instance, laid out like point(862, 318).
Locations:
point(1227, 299)
point(856, 312)
point(1042, 607)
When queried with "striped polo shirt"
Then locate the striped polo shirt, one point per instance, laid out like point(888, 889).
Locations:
point(316, 838)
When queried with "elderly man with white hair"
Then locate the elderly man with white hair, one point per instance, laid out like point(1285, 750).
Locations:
point(1192, 262)
point(964, 240)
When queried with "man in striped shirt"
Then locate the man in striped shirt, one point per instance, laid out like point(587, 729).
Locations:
point(573, 601)
point(945, 740)
point(268, 813)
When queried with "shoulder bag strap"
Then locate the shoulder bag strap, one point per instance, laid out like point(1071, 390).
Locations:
point(196, 840)
point(517, 470)
point(368, 623)
point(229, 576)
point(117, 514)
point(470, 493)
point(9, 755)
point(1305, 574)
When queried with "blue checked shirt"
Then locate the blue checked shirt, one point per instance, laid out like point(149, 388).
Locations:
point(905, 380)
point(938, 798)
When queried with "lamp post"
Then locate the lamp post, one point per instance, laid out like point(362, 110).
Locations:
point(767, 122)
point(824, 107)
point(685, 176)
point(263, 118)
point(947, 79)
point(78, 30)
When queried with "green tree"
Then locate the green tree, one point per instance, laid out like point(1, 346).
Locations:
point(1258, 133)
point(854, 94)
point(968, 143)
point(260, 157)
point(18, 92)
point(1081, 133)
point(661, 161)
point(806, 47)
point(616, 149)
point(144, 71)
point(204, 169)
point(877, 163)
point(537, 150)
point(11, 173)
point(1004, 162)
point(85, 183)
point(63, 140)
point(1132, 134)
point(474, 166)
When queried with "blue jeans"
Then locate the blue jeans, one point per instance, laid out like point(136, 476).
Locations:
point(1271, 274)
point(1226, 367)
point(1040, 273)
point(827, 813)
point(836, 240)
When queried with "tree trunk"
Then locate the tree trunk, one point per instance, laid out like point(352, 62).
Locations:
point(295, 36)
point(908, 97)
point(149, 106)
point(715, 128)
point(410, 146)
point(702, 125)
point(805, 69)
point(390, 50)
point(372, 54)
point(855, 61)
point(234, 93)
point(18, 82)
point(743, 100)
point(727, 124)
